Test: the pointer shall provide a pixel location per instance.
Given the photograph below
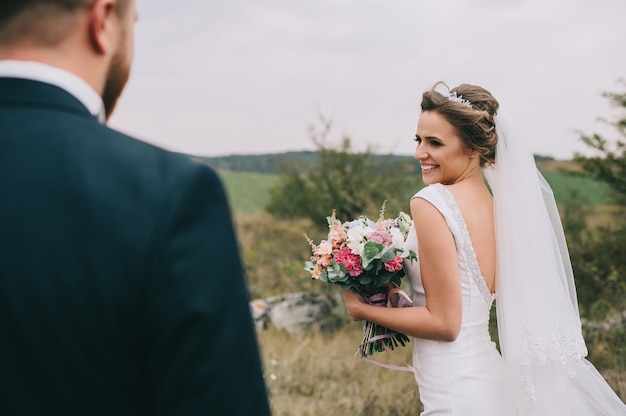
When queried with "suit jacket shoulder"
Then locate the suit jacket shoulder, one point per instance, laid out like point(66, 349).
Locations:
point(120, 271)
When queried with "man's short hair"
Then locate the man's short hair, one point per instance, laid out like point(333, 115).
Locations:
point(42, 22)
point(10, 8)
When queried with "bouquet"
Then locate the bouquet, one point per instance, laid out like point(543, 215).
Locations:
point(366, 256)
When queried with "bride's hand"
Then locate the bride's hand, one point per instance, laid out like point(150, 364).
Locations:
point(353, 302)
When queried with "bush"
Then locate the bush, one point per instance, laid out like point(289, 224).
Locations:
point(348, 182)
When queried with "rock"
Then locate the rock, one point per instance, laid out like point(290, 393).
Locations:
point(612, 322)
point(295, 312)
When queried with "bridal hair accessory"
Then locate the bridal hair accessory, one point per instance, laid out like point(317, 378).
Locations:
point(457, 98)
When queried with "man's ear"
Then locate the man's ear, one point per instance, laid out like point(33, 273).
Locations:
point(102, 16)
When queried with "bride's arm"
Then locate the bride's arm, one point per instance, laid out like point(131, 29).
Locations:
point(441, 318)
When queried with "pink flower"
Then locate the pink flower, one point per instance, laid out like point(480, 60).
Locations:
point(394, 265)
point(351, 261)
point(385, 224)
point(337, 237)
point(324, 248)
point(381, 237)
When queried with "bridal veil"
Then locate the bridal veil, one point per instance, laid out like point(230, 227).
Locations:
point(538, 319)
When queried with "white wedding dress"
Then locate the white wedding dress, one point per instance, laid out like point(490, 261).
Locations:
point(467, 376)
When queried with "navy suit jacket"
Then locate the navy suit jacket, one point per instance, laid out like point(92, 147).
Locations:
point(121, 285)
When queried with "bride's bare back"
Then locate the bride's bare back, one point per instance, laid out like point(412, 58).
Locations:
point(476, 205)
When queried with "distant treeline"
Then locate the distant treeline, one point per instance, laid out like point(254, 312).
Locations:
point(263, 163)
point(303, 161)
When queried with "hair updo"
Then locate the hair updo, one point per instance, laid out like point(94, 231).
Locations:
point(472, 114)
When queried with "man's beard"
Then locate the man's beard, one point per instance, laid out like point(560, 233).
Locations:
point(118, 73)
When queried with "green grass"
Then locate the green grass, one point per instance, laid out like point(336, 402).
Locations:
point(569, 189)
point(247, 192)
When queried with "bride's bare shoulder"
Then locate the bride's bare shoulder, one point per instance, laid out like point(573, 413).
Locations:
point(469, 194)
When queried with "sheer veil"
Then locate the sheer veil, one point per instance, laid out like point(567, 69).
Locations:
point(538, 319)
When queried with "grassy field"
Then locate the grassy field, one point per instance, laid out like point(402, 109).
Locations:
point(317, 374)
point(569, 188)
point(249, 192)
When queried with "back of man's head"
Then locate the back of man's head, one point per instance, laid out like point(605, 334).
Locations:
point(42, 22)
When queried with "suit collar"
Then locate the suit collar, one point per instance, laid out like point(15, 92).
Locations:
point(18, 92)
point(73, 84)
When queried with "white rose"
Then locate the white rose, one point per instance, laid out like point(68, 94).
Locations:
point(397, 238)
point(356, 239)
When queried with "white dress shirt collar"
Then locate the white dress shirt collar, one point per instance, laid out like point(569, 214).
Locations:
point(71, 83)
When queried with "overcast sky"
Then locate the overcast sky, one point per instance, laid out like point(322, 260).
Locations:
point(249, 76)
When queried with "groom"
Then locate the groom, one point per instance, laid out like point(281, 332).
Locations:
point(121, 286)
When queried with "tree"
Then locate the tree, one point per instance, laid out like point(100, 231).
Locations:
point(609, 165)
point(351, 183)
point(598, 255)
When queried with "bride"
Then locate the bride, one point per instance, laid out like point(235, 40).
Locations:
point(477, 244)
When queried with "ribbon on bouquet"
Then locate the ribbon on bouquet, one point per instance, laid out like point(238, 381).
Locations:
point(381, 299)
point(403, 299)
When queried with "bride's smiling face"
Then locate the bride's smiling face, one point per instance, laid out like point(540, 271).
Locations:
point(443, 156)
